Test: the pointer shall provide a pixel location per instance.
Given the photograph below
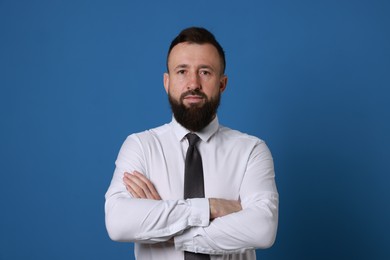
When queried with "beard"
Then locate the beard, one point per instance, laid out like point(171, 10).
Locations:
point(194, 117)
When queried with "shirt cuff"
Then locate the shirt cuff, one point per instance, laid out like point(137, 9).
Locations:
point(200, 217)
point(200, 212)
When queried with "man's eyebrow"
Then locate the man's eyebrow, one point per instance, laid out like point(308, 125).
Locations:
point(185, 66)
point(181, 66)
point(206, 67)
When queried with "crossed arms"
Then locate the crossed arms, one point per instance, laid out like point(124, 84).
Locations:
point(136, 212)
point(141, 188)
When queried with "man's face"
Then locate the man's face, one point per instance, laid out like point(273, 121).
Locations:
point(194, 84)
point(195, 74)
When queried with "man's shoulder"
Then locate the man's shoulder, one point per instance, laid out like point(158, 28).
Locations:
point(239, 142)
point(152, 133)
point(230, 133)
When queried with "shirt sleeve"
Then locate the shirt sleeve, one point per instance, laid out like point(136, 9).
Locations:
point(253, 227)
point(143, 220)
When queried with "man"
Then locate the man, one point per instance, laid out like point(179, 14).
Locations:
point(151, 200)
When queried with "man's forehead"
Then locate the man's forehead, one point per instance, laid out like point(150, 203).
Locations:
point(186, 52)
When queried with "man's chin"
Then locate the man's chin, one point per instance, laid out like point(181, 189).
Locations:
point(194, 115)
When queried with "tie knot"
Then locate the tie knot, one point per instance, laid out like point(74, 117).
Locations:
point(192, 138)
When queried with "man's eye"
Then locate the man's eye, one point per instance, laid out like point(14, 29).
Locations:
point(181, 71)
point(205, 72)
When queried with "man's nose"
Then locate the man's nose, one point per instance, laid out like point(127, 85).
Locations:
point(194, 82)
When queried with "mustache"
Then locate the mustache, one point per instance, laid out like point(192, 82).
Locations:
point(195, 92)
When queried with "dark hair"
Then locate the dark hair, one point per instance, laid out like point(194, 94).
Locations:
point(200, 36)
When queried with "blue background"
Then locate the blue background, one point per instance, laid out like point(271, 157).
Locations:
point(311, 78)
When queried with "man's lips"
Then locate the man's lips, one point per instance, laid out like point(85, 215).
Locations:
point(193, 98)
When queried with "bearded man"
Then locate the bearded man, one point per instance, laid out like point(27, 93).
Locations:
point(193, 189)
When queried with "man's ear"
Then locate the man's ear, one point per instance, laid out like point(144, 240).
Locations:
point(166, 81)
point(223, 83)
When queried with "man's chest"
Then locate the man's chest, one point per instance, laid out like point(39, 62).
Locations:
point(223, 172)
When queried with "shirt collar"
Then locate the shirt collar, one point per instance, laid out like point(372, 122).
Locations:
point(205, 134)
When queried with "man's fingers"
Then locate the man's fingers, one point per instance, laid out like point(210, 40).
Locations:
point(132, 192)
point(133, 187)
point(137, 188)
point(148, 183)
point(140, 186)
point(151, 190)
point(144, 184)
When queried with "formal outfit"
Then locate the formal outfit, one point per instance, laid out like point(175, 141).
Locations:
point(236, 166)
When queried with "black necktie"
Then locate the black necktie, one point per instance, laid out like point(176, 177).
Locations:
point(193, 182)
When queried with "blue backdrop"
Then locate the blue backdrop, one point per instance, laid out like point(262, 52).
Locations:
point(311, 78)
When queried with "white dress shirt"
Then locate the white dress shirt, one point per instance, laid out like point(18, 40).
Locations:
point(236, 166)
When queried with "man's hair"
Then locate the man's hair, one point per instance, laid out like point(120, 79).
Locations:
point(200, 36)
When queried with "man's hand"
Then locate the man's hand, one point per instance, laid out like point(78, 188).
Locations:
point(222, 207)
point(139, 186)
